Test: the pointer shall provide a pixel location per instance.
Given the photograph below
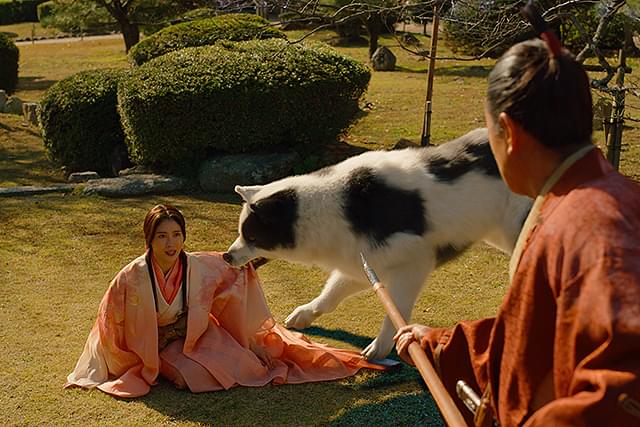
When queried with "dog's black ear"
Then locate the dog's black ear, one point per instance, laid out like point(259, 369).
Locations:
point(278, 207)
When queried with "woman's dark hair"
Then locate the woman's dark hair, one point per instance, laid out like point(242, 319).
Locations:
point(156, 215)
point(548, 95)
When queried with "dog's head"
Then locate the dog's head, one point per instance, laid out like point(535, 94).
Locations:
point(267, 224)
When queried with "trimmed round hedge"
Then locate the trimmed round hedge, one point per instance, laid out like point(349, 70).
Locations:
point(9, 57)
point(237, 97)
point(80, 122)
point(203, 32)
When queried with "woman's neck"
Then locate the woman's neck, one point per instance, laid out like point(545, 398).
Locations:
point(165, 267)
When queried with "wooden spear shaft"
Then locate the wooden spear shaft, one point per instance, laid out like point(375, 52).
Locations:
point(448, 408)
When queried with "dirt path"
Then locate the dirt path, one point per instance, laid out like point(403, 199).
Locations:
point(69, 39)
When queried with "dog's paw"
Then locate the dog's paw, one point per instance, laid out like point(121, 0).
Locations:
point(377, 349)
point(301, 317)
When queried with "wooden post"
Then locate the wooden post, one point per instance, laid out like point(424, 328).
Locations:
point(425, 139)
point(613, 138)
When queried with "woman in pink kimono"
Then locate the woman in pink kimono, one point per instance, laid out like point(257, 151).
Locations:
point(195, 320)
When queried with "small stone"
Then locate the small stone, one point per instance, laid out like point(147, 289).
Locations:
point(30, 113)
point(134, 170)
point(83, 176)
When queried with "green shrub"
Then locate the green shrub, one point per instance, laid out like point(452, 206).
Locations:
point(234, 27)
point(12, 11)
point(80, 122)
point(9, 56)
point(76, 17)
point(45, 10)
point(237, 97)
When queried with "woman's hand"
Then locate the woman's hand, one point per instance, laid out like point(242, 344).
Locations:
point(262, 353)
point(405, 336)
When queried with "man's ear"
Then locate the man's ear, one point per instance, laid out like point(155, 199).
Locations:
point(512, 133)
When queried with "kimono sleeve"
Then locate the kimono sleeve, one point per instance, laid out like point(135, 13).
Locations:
point(599, 326)
point(105, 354)
point(240, 306)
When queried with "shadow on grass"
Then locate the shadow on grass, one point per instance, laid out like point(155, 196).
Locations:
point(464, 71)
point(456, 70)
point(406, 410)
point(34, 83)
point(335, 403)
point(360, 341)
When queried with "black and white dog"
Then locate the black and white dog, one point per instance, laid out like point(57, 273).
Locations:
point(408, 211)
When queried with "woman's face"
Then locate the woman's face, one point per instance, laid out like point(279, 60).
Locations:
point(167, 243)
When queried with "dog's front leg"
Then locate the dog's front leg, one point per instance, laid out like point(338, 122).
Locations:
point(337, 288)
point(403, 288)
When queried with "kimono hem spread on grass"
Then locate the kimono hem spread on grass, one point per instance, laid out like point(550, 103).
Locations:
point(226, 307)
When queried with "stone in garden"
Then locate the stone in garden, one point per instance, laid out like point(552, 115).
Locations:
point(221, 174)
point(83, 176)
point(30, 112)
point(383, 59)
point(410, 40)
point(3, 100)
point(134, 170)
point(13, 106)
point(30, 190)
point(134, 185)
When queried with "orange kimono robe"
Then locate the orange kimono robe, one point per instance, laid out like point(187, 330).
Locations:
point(564, 348)
point(226, 306)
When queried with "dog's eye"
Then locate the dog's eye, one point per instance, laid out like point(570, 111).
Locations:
point(250, 238)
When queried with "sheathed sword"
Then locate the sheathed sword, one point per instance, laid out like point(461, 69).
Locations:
point(443, 399)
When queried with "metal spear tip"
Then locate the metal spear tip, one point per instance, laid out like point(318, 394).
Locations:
point(368, 271)
point(364, 261)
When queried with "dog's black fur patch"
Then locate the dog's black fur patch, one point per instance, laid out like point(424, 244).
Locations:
point(271, 221)
point(458, 157)
point(377, 210)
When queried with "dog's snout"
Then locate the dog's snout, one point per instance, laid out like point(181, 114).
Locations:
point(227, 257)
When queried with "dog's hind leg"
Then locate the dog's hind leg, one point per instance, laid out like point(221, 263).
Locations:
point(404, 287)
point(337, 288)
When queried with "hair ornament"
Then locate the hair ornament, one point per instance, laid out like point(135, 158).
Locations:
point(532, 14)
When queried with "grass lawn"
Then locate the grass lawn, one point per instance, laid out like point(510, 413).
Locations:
point(59, 252)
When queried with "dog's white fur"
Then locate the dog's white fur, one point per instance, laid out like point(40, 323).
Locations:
point(474, 207)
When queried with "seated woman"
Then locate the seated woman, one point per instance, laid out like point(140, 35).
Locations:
point(197, 321)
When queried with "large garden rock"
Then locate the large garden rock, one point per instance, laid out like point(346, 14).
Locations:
point(383, 59)
point(222, 174)
point(134, 185)
point(13, 105)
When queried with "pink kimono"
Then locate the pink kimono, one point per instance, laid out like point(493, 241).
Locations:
point(226, 307)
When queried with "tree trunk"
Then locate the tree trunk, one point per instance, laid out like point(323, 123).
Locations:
point(373, 24)
point(120, 11)
point(130, 33)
